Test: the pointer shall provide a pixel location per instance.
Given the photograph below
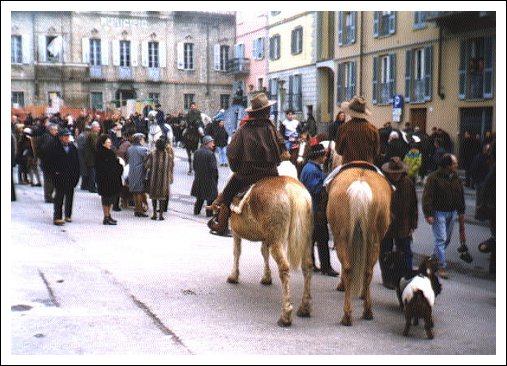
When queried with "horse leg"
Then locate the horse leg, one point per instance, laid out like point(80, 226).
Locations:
point(341, 250)
point(234, 276)
point(266, 277)
point(407, 323)
point(307, 267)
point(283, 271)
point(428, 324)
point(366, 295)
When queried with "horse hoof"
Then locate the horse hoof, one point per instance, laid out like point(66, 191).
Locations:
point(368, 315)
point(232, 280)
point(346, 321)
point(266, 282)
point(303, 313)
point(283, 323)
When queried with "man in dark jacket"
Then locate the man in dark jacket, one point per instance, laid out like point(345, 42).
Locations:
point(253, 153)
point(443, 199)
point(205, 185)
point(63, 168)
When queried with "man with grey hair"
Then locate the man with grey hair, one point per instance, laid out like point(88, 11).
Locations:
point(89, 154)
point(44, 144)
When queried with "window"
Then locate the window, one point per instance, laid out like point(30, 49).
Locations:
point(224, 101)
point(418, 74)
point(187, 100)
point(273, 88)
point(346, 27)
point(274, 47)
point(346, 81)
point(16, 53)
point(260, 84)
point(125, 53)
point(420, 19)
point(224, 57)
point(17, 99)
point(275, 13)
point(296, 41)
point(258, 49)
point(384, 23)
point(95, 58)
point(153, 55)
point(476, 68)
point(53, 48)
point(295, 96)
point(96, 101)
point(384, 71)
point(154, 96)
point(188, 57)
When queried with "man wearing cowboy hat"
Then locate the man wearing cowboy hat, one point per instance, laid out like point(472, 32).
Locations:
point(253, 153)
point(404, 222)
point(358, 139)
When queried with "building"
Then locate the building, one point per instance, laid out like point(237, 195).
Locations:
point(104, 60)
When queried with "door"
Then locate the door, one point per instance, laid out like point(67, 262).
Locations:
point(476, 120)
point(418, 118)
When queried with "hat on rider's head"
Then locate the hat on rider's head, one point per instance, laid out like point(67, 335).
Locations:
point(316, 151)
point(259, 102)
point(394, 165)
point(95, 124)
point(356, 108)
point(207, 139)
point(64, 132)
point(27, 131)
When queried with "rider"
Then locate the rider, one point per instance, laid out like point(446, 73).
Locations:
point(253, 153)
point(194, 119)
point(290, 129)
point(357, 139)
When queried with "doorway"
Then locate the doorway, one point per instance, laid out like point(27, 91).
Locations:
point(418, 118)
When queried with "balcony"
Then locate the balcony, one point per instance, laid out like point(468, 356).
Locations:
point(154, 74)
point(96, 72)
point(59, 72)
point(239, 66)
point(125, 73)
point(463, 21)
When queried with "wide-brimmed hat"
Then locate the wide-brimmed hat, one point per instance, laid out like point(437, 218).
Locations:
point(316, 151)
point(356, 108)
point(207, 139)
point(259, 102)
point(394, 165)
point(65, 132)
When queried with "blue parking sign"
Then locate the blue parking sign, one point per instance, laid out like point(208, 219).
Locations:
point(398, 101)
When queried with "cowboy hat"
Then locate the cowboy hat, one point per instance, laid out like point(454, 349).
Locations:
point(259, 102)
point(394, 165)
point(356, 108)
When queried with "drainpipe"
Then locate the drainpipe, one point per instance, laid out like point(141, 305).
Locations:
point(439, 81)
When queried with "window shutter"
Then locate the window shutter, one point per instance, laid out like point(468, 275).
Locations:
point(293, 41)
point(300, 40)
point(42, 48)
point(376, 15)
point(104, 52)
point(216, 57)
point(488, 67)
point(339, 84)
point(291, 91)
point(133, 52)
point(254, 49)
point(116, 52)
point(162, 54)
point(462, 70)
point(85, 45)
point(272, 48)
point(340, 28)
point(428, 66)
point(180, 51)
point(392, 23)
point(261, 48)
point(353, 28)
point(278, 47)
point(144, 54)
point(375, 80)
point(392, 76)
point(353, 78)
point(26, 50)
point(408, 74)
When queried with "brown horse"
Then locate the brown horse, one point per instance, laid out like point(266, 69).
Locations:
point(358, 213)
point(278, 212)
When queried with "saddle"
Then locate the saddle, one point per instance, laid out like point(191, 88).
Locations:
point(353, 164)
point(239, 199)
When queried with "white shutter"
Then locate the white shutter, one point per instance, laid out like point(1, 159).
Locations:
point(42, 48)
point(133, 52)
point(26, 50)
point(254, 49)
point(85, 50)
point(104, 52)
point(144, 54)
point(216, 57)
point(116, 52)
point(162, 54)
point(180, 51)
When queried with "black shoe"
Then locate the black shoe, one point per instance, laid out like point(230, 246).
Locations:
point(117, 209)
point(107, 221)
point(226, 233)
point(161, 218)
point(315, 268)
point(466, 257)
point(113, 220)
point(330, 272)
point(140, 214)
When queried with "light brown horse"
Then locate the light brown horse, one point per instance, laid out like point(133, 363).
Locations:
point(358, 213)
point(278, 212)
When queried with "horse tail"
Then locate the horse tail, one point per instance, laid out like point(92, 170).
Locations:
point(300, 225)
point(360, 199)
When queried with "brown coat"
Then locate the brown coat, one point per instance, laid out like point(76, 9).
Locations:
point(254, 150)
point(358, 140)
point(403, 209)
point(159, 170)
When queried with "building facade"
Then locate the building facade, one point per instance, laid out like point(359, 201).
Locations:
point(106, 60)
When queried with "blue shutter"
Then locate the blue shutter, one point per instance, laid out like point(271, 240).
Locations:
point(408, 75)
point(300, 39)
point(291, 91)
point(488, 67)
point(392, 23)
point(392, 76)
point(353, 27)
point(463, 70)
point(375, 80)
point(375, 23)
point(428, 66)
point(353, 78)
point(340, 28)
point(271, 48)
point(339, 86)
point(293, 41)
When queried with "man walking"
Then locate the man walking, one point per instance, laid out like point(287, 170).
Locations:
point(205, 185)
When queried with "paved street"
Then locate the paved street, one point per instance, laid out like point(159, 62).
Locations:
point(159, 288)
